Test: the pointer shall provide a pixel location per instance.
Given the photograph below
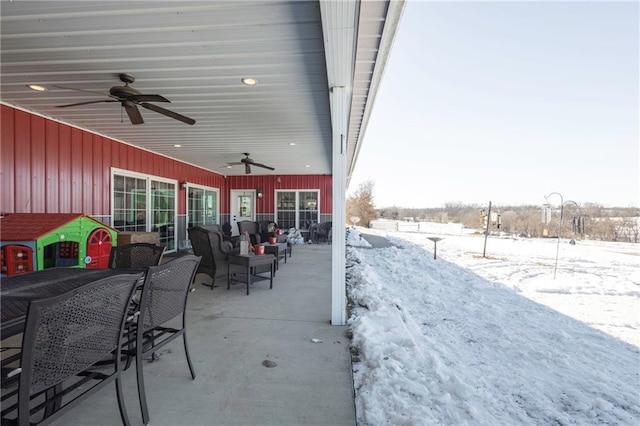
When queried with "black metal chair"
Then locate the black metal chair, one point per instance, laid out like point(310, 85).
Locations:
point(65, 338)
point(164, 297)
point(135, 256)
point(214, 252)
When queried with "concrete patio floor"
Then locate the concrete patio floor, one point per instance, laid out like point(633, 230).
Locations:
point(230, 336)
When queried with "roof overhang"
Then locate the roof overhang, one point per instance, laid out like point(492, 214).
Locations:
point(195, 54)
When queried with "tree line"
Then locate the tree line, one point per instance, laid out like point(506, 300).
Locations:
point(599, 223)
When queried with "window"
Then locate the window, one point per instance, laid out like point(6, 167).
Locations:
point(297, 209)
point(144, 204)
point(129, 203)
point(202, 206)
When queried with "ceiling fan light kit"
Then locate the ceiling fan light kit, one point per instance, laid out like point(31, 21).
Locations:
point(130, 99)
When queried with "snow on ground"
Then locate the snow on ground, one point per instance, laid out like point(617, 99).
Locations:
point(464, 339)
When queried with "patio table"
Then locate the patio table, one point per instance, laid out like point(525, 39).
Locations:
point(251, 265)
point(279, 250)
point(17, 291)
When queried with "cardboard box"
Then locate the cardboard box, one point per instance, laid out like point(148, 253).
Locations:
point(138, 237)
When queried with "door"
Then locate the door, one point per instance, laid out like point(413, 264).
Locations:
point(243, 207)
point(98, 249)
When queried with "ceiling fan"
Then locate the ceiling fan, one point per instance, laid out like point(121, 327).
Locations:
point(248, 162)
point(130, 98)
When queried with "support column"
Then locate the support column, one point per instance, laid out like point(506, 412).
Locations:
point(339, 114)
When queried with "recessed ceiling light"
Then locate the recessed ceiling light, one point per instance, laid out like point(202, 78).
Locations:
point(249, 81)
point(307, 166)
point(177, 145)
point(37, 87)
point(292, 143)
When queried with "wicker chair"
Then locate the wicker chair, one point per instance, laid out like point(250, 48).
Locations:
point(65, 337)
point(324, 232)
point(164, 297)
point(135, 256)
point(267, 229)
point(214, 252)
point(251, 228)
point(230, 242)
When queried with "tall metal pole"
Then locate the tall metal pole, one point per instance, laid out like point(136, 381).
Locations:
point(555, 267)
point(486, 232)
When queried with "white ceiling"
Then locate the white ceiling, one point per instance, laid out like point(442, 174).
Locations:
point(195, 54)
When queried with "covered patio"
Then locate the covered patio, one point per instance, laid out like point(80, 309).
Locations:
point(239, 85)
point(157, 116)
point(255, 361)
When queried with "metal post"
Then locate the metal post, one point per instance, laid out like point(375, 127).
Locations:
point(435, 244)
point(555, 267)
point(486, 232)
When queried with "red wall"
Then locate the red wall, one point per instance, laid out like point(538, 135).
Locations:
point(49, 167)
point(270, 184)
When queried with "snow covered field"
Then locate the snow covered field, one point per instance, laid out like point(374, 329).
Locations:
point(495, 341)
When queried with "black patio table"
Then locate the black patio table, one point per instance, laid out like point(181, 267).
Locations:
point(251, 265)
point(18, 290)
point(279, 250)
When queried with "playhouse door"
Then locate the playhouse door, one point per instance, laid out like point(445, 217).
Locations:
point(98, 249)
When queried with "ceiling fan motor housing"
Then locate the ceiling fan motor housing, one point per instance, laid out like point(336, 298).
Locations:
point(123, 91)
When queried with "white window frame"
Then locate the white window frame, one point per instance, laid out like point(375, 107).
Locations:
point(296, 203)
point(206, 188)
point(128, 173)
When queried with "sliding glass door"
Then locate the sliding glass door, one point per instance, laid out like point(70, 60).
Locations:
point(143, 203)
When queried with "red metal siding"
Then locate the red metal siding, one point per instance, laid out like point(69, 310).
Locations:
point(87, 172)
point(270, 184)
point(105, 171)
point(38, 176)
point(22, 155)
point(49, 167)
point(7, 157)
point(64, 144)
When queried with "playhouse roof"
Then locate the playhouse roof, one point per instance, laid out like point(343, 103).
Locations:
point(31, 226)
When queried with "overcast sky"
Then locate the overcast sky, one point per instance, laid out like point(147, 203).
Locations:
point(507, 102)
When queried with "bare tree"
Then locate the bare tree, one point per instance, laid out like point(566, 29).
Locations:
point(361, 204)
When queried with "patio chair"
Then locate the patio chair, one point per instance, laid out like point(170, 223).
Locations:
point(214, 252)
point(65, 338)
point(267, 229)
point(234, 241)
point(324, 232)
point(251, 228)
point(164, 298)
point(135, 256)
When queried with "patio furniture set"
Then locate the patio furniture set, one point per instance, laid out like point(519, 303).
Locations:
point(81, 327)
point(221, 257)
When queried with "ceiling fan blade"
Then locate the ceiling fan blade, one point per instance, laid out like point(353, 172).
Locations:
point(83, 90)
point(133, 112)
point(86, 103)
point(168, 113)
point(235, 163)
point(149, 98)
point(263, 166)
point(247, 169)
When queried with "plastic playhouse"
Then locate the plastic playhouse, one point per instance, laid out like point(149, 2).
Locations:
point(36, 241)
